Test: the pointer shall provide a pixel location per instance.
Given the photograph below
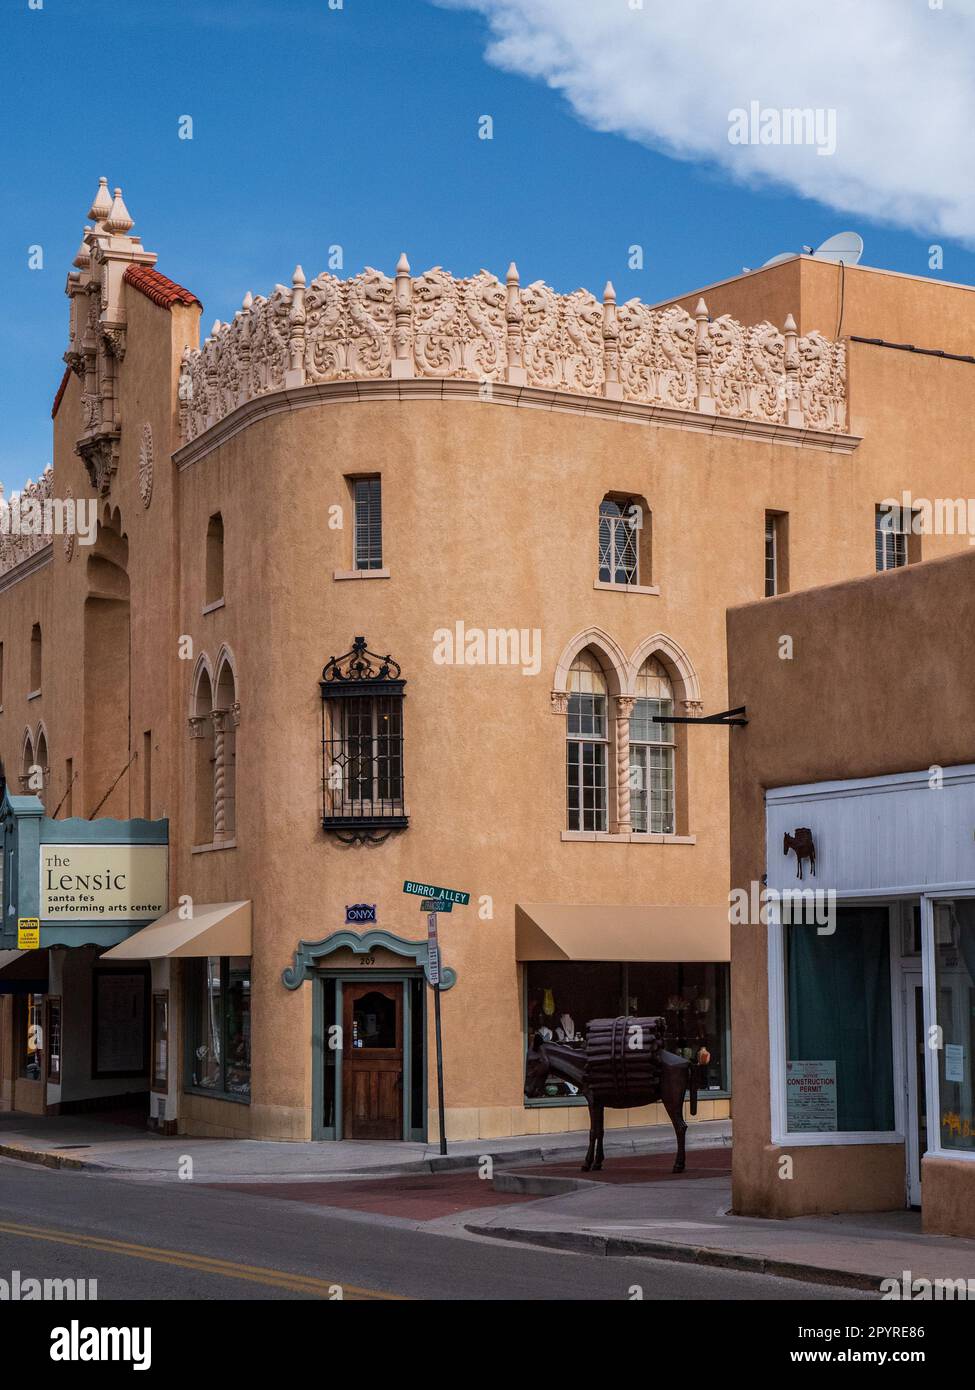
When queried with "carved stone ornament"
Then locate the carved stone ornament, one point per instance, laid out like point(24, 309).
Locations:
point(560, 702)
point(145, 465)
point(99, 454)
point(69, 533)
point(478, 329)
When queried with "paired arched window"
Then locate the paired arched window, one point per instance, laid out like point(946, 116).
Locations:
point(213, 725)
point(35, 767)
point(625, 760)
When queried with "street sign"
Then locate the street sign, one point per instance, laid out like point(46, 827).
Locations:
point(436, 905)
point(28, 933)
point(428, 890)
point(433, 962)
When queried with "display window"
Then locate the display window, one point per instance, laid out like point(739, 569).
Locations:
point(692, 999)
point(218, 1026)
point(839, 1059)
point(954, 968)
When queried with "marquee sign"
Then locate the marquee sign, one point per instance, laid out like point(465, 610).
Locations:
point(125, 883)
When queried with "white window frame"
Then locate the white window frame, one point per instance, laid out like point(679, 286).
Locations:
point(928, 899)
point(781, 1136)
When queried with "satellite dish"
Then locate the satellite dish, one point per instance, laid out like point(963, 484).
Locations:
point(782, 256)
point(844, 247)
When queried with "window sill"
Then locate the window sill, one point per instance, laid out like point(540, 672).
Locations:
point(214, 1094)
point(212, 607)
point(628, 588)
point(35, 694)
point(360, 574)
point(633, 837)
point(215, 845)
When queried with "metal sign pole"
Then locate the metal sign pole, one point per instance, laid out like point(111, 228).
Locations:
point(433, 948)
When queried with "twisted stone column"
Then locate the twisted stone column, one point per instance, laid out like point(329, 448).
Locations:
point(624, 708)
point(219, 775)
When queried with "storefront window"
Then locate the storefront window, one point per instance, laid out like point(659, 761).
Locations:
point(839, 1063)
point(562, 997)
point(32, 1038)
point(954, 946)
point(219, 1025)
point(160, 1040)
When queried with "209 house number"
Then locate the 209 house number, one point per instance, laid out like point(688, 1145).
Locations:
point(368, 960)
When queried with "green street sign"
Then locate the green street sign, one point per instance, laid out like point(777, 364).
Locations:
point(427, 890)
point(436, 905)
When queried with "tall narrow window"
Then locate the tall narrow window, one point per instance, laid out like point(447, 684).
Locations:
point(1, 675)
point(891, 532)
point(776, 553)
point(35, 658)
point(214, 575)
point(225, 716)
point(42, 768)
point(67, 802)
point(368, 528)
point(587, 745)
point(362, 744)
point(652, 753)
point(147, 774)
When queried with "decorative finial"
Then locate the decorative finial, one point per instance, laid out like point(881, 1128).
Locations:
point(790, 324)
point(609, 293)
point(247, 301)
point(512, 277)
point(700, 310)
point(118, 219)
point(83, 257)
point(402, 265)
point(102, 204)
point(298, 279)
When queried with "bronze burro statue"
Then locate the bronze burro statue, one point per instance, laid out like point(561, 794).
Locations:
point(622, 1064)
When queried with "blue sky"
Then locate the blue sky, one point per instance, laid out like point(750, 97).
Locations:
point(358, 127)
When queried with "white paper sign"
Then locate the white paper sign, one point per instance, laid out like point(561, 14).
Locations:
point(954, 1062)
point(810, 1096)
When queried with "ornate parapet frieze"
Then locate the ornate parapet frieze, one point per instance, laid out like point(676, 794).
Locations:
point(433, 325)
point(31, 533)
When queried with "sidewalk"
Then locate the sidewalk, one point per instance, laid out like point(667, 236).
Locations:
point(687, 1218)
point(98, 1145)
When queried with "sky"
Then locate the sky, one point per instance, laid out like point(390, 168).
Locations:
point(359, 124)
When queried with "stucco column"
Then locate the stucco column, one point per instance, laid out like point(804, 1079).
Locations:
point(624, 708)
point(219, 774)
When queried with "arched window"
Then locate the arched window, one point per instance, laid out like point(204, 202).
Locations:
point(587, 744)
point(214, 560)
point(41, 762)
point(201, 726)
point(225, 754)
point(624, 541)
point(28, 762)
point(35, 658)
point(652, 801)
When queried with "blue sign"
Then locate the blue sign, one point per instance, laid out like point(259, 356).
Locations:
point(359, 913)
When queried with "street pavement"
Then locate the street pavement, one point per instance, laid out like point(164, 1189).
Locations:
point(150, 1239)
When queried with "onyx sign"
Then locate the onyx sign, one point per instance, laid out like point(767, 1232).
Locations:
point(359, 913)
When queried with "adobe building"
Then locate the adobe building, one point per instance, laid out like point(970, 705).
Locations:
point(854, 1040)
point(410, 579)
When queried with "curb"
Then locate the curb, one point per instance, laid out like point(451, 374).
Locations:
point(45, 1158)
point(582, 1242)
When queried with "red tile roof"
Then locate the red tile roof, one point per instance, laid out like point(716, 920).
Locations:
point(158, 288)
point(60, 392)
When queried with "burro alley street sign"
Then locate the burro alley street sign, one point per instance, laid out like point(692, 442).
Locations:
point(428, 890)
point(434, 901)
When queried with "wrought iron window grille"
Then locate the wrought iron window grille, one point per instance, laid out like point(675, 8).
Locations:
point(362, 746)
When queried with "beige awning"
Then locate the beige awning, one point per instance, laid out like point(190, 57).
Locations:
point(8, 958)
point(215, 929)
point(577, 931)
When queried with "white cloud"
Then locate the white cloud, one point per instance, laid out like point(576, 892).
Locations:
point(897, 73)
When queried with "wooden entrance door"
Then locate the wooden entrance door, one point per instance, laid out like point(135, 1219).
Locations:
point(372, 1060)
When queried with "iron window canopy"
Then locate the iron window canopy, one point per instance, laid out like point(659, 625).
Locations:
point(362, 745)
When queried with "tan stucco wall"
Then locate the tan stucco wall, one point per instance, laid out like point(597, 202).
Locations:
point(882, 680)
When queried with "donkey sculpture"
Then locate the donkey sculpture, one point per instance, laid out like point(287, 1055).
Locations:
point(674, 1077)
point(804, 846)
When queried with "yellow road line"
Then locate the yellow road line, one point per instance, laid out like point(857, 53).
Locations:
point(202, 1264)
